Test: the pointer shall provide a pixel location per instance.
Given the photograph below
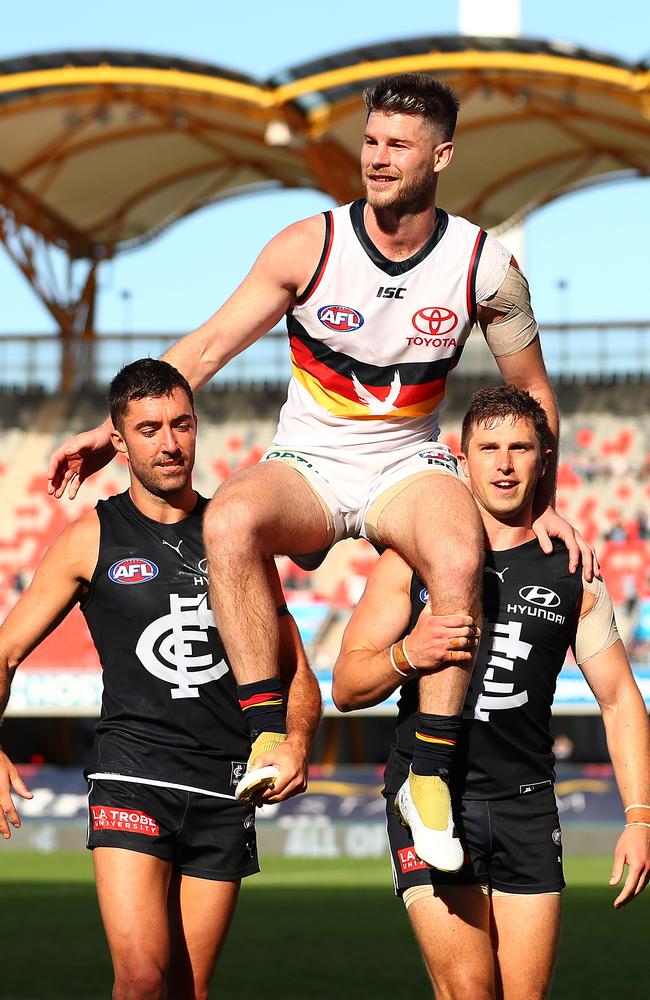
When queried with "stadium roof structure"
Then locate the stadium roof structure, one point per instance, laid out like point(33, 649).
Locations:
point(101, 151)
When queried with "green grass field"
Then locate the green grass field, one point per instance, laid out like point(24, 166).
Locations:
point(329, 929)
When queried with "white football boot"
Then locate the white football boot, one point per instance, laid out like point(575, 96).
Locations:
point(423, 804)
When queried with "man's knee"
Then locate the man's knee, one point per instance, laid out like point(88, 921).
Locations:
point(231, 520)
point(139, 978)
point(456, 561)
point(463, 982)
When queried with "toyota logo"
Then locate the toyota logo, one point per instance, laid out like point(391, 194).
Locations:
point(435, 320)
point(540, 595)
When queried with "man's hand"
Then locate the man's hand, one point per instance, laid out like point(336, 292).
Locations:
point(633, 850)
point(78, 458)
point(550, 525)
point(10, 779)
point(291, 761)
point(435, 637)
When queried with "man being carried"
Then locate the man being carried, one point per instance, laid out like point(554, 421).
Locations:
point(380, 297)
point(164, 824)
point(474, 927)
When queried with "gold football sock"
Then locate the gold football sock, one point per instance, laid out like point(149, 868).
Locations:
point(263, 743)
point(431, 798)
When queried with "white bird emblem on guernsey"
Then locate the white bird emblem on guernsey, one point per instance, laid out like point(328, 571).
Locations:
point(378, 406)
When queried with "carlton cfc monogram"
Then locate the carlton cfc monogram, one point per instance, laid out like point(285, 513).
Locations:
point(166, 647)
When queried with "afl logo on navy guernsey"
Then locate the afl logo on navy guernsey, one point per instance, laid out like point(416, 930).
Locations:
point(133, 570)
point(540, 595)
point(434, 320)
point(341, 319)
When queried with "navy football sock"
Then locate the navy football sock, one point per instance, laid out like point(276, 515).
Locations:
point(436, 737)
point(263, 706)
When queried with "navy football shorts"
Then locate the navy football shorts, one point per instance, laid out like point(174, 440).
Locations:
point(511, 845)
point(200, 834)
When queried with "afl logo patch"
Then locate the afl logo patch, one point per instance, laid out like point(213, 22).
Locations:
point(542, 596)
point(557, 836)
point(133, 570)
point(424, 595)
point(434, 320)
point(341, 319)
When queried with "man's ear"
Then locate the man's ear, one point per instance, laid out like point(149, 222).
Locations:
point(545, 459)
point(119, 443)
point(442, 156)
point(462, 461)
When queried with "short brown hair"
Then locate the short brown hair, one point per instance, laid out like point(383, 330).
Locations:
point(146, 377)
point(415, 94)
point(493, 405)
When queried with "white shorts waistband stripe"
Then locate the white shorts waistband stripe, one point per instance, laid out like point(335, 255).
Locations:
point(107, 776)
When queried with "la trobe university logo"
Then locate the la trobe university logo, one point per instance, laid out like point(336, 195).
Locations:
point(173, 649)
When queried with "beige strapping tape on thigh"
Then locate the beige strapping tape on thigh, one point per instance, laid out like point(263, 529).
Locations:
point(377, 508)
point(293, 464)
point(416, 892)
point(518, 326)
point(596, 629)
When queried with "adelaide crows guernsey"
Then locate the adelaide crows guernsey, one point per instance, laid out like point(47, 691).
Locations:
point(531, 605)
point(169, 708)
point(373, 340)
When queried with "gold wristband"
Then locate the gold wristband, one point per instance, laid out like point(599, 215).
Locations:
point(393, 662)
point(637, 814)
point(401, 658)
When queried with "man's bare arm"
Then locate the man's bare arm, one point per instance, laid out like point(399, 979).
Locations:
point(283, 268)
point(526, 370)
point(510, 329)
point(364, 674)
point(610, 677)
point(57, 585)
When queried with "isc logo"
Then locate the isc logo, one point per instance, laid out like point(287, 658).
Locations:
point(133, 570)
point(341, 319)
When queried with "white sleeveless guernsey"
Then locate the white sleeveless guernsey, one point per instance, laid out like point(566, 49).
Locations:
point(373, 340)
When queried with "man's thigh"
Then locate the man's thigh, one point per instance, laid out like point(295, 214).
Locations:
point(200, 914)
point(132, 892)
point(526, 931)
point(433, 522)
point(452, 928)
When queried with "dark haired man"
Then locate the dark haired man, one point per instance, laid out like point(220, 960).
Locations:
point(380, 296)
point(164, 825)
point(491, 930)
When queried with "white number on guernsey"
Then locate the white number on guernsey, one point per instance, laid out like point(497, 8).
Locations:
point(501, 646)
point(165, 648)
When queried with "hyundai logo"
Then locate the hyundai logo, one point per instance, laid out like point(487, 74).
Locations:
point(540, 595)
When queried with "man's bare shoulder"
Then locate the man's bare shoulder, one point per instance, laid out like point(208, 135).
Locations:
point(293, 254)
point(76, 547)
point(303, 233)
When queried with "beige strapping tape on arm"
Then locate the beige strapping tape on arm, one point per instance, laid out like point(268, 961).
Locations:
point(517, 328)
point(597, 628)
